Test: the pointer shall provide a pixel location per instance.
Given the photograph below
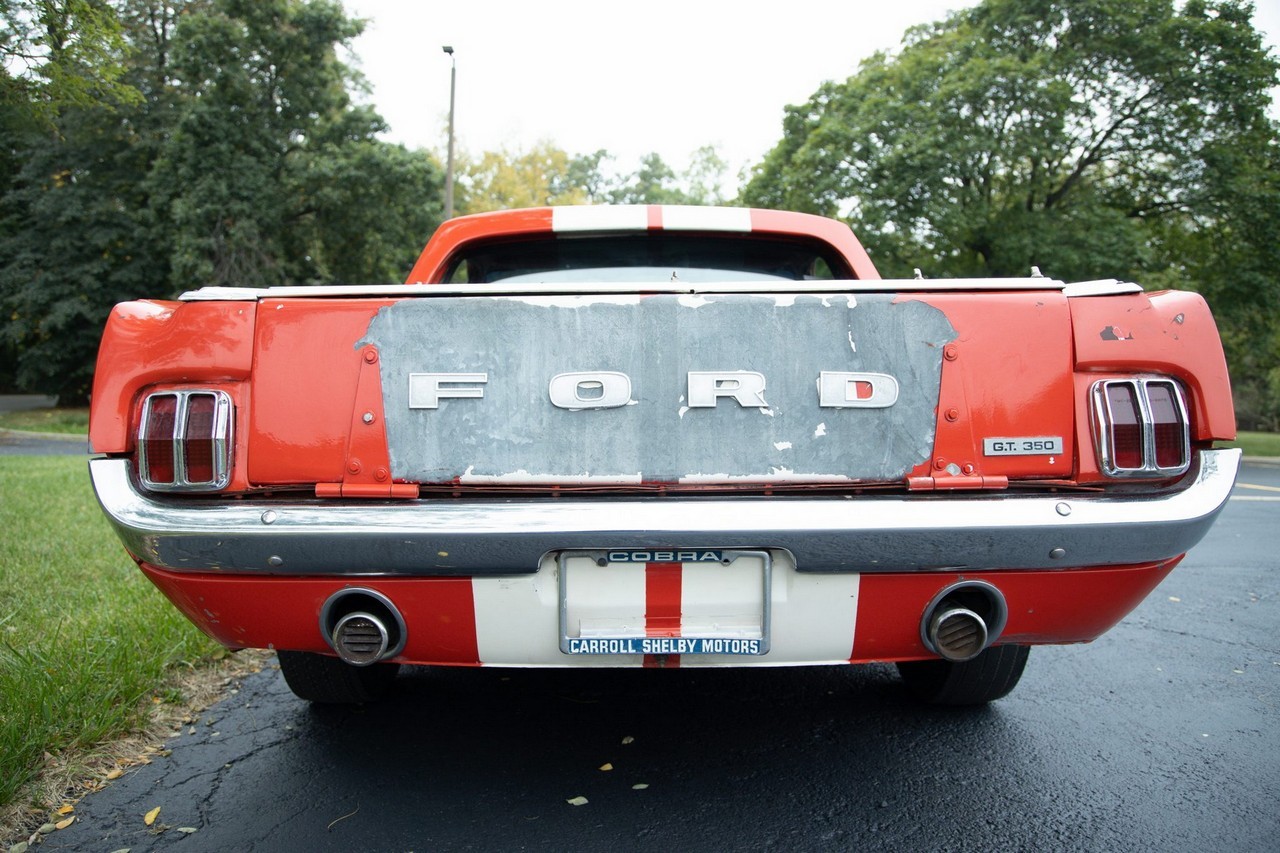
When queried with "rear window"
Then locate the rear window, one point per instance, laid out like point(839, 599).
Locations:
point(654, 257)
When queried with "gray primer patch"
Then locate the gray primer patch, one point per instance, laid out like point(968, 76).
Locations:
point(515, 434)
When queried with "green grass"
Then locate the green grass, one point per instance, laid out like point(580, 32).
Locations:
point(66, 421)
point(84, 637)
point(1258, 443)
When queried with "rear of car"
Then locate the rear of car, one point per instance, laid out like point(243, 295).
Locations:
point(661, 436)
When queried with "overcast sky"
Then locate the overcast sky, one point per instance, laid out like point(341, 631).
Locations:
point(629, 77)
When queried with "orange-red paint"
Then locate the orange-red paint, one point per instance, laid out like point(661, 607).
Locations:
point(241, 611)
point(1044, 607)
point(306, 371)
point(148, 343)
point(1170, 333)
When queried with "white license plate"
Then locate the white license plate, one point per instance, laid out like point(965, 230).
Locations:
point(696, 601)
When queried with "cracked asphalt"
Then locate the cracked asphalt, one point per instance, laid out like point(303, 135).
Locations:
point(1162, 735)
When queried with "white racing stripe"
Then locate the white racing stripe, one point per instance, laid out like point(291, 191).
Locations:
point(813, 616)
point(627, 217)
point(679, 218)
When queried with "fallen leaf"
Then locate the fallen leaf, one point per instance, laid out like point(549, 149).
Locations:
point(187, 830)
point(1174, 598)
point(65, 810)
point(63, 824)
point(577, 801)
point(151, 816)
point(628, 739)
point(115, 774)
point(46, 829)
point(606, 766)
point(639, 786)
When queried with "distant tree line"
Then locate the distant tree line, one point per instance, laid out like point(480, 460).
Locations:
point(1094, 138)
point(151, 147)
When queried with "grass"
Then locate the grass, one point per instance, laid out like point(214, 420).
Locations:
point(65, 421)
point(84, 637)
point(1258, 443)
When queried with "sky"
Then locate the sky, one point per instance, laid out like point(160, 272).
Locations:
point(660, 76)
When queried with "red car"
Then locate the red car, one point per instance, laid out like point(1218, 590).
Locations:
point(660, 436)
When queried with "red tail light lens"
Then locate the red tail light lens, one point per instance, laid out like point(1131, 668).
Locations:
point(1141, 428)
point(1169, 423)
point(198, 438)
point(1124, 425)
point(159, 426)
point(184, 441)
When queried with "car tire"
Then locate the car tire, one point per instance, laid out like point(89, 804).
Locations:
point(985, 678)
point(329, 681)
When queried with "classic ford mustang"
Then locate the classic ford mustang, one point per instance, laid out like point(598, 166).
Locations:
point(660, 436)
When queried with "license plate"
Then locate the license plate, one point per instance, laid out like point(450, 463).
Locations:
point(690, 601)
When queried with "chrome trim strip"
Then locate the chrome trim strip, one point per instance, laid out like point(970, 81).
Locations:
point(1104, 418)
point(382, 291)
point(508, 536)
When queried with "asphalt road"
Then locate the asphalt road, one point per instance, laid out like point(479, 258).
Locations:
point(1162, 735)
point(19, 443)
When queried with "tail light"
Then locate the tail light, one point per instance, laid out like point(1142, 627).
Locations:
point(1141, 428)
point(184, 441)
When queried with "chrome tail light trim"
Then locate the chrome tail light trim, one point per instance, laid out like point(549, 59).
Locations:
point(1104, 420)
point(221, 434)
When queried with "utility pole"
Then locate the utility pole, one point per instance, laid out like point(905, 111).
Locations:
point(448, 175)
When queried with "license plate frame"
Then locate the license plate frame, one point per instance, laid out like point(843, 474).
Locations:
point(725, 602)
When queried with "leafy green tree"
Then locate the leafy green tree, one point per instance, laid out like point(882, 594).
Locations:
point(1023, 131)
point(243, 162)
point(56, 54)
point(1094, 138)
point(543, 175)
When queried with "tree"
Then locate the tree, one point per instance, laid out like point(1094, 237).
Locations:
point(1094, 138)
point(242, 161)
point(1018, 120)
point(657, 183)
point(56, 54)
point(543, 175)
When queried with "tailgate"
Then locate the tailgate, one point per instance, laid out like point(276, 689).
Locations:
point(630, 390)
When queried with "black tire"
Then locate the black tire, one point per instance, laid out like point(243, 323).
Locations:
point(989, 676)
point(327, 680)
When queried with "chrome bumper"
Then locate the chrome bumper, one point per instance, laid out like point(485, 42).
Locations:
point(507, 536)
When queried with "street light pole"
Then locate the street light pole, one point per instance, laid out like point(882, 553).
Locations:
point(448, 175)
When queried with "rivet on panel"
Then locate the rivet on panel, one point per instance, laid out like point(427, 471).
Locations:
point(370, 355)
point(953, 415)
point(275, 562)
point(1057, 553)
point(269, 517)
point(939, 463)
point(367, 417)
point(380, 474)
point(1064, 509)
point(968, 468)
point(950, 352)
point(353, 466)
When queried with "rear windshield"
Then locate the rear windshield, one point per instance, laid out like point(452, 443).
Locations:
point(646, 258)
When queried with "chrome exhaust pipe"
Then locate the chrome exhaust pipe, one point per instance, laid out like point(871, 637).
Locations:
point(361, 639)
point(957, 633)
point(362, 626)
point(963, 620)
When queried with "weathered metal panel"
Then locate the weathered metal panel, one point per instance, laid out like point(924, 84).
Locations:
point(496, 420)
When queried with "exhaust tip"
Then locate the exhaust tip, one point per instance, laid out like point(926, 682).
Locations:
point(963, 619)
point(362, 626)
point(361, 639)
point(957, 633)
